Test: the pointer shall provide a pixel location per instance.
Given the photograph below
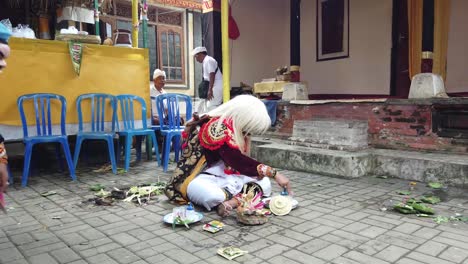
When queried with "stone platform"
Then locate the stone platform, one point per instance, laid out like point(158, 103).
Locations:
point(451, 169)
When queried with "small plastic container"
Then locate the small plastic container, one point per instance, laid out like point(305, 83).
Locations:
point(190, 212)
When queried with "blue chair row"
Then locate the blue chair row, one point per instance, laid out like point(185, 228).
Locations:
point(43, 104)
point(169, 113)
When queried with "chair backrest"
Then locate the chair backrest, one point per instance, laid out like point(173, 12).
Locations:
point(42, 112)
point(126, 103)
point(169, 105)
point(99, 103)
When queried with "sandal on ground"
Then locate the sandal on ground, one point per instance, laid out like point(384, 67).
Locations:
point(224, 209)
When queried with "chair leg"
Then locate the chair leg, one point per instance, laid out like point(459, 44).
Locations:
point(79, 141)
point(59, 156)
point(156, 148)
point(149, 151)
point(138, 140)
point(118, 151)
point(128, 144)
point(66, 150)
point(167, 150)
point(110, 146)
point(176, 146)
point(27, 162)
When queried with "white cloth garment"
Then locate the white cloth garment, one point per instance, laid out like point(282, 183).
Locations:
point(210, 65)
point(154, 93)
point(207, 188)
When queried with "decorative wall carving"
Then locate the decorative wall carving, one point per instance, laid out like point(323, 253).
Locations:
point(123, 9)
point(172, 18)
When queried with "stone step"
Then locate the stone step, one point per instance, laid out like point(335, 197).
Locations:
point(340, 134)
point(318, 160)
point(450, 169)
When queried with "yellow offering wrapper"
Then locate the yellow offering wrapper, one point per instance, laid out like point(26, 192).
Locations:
point(231, 252)
point(213, 226)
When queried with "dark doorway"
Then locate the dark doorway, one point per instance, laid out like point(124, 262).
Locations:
point(399, 76)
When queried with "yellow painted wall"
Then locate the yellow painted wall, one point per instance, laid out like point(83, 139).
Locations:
point(41, 66)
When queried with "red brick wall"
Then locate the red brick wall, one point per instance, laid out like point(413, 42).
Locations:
point(405, 126)
point(287, 113)
point(408, 127)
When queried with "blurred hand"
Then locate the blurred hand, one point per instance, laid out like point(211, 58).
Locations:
point(210, 94)
point(283, 181)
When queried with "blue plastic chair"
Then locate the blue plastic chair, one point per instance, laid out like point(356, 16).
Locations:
point(99, 105)
point(42, 112)
point(126, 103)
point(169, 113)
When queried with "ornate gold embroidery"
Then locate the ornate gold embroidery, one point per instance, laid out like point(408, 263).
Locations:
point(266, 171)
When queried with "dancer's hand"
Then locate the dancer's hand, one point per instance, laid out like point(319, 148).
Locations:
point(283, 182)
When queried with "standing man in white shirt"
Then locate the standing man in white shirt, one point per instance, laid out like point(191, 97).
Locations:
point(211, 73)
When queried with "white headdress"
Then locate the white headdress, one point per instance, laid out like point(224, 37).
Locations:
point(248, 114)
point(197, 50)
point(158, 73)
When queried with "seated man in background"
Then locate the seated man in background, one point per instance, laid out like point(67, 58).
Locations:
point(159, 80)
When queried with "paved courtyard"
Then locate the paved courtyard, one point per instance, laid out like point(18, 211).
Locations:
point(337, 221)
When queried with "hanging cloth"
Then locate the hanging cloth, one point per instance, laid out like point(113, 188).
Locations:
point(232, 25)
point(441, 30)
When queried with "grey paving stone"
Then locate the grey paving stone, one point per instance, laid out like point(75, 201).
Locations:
point(371, 247)
point(320, 231)
point(349, 244)
point(431, 248)
point(10, 254)
point(300, 257)
point(123, 255)
point(99, 249)
point(342, 260)
point(124, 239)
point(296, 235)
point(18, 261)
point(330, 252)
point(42, 248)
point(407, 228)
point(355, 227)
point(79, 262)
point(372, 232)
point(181, 256)
point(65, 255)
point(271, 251)
point(281, 260)
point(22, 239)
point(426, 233)
point(391, 253)
point(363, 259)
point(427, 259)
point(281, 239)
point(101, 259)
point(408, 261)
point(351, 236)
point(7, 244)
point(451, 242)
point(313, 246)
point(160, 259)
point(454, 254)
point(42, 259)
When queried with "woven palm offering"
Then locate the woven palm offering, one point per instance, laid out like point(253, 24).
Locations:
point(251, 208)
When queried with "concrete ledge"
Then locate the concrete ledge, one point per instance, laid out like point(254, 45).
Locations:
point(450, 169)
point(323, 161)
